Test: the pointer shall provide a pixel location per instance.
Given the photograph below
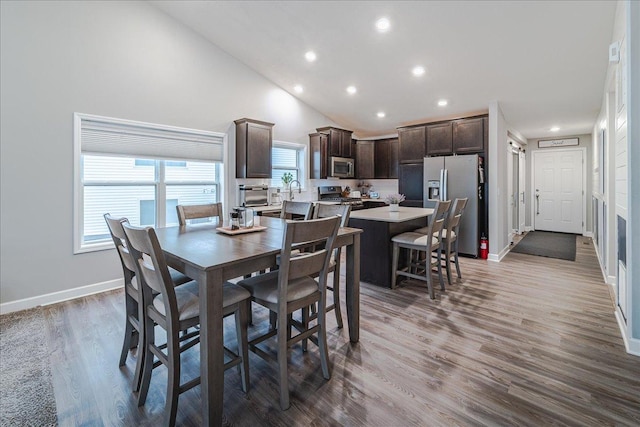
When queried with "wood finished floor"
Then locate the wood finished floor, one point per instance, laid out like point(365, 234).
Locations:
point(528, 341)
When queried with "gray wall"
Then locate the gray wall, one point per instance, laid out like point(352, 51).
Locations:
point(584, 141)
point(117, 59)
point(498, 183)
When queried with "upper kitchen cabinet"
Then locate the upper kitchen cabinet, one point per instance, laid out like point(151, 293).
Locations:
point(412, 142)
point(338, 141)
point(468, 135)
point(386, 158)
point(318, 159)
point(365, 155)
point(439, 139)
point(254, 140)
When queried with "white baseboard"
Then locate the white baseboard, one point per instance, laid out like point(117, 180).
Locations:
point(632, 345)
point(611, 280)
point(528, 228)
point(588, 234)
point(498, 257)
point(60, 296)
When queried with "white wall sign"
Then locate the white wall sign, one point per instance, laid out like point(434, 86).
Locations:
point(558, 143)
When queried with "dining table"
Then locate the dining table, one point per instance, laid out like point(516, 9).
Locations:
point(212, 257)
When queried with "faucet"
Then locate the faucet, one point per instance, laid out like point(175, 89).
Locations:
point(291, 185)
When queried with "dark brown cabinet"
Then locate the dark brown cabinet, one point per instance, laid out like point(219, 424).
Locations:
point(253, 148)
point(439, 139)
point(410, 183)
point(365, 152)
point(412, 142)
point(338, 141)
point(386, 158)
point(328, 142)
point(468, 135)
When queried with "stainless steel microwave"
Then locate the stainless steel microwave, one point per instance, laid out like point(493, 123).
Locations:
point(342, 167)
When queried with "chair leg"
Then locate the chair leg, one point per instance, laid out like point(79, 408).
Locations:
point(147, 364)
point(336, 295)
point(322, 341)
point(439, 262)
point(273, 320)
point(305, 325)
point(456, 260)
point(429, 273)
point(173, 377)
point(282, 333)
point(447, 261)
point(394, 264)
point(241, 317)
point(140, 356)
point(129, 342)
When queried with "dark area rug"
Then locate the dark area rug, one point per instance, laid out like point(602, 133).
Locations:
point(548, 244)
point(26, 389)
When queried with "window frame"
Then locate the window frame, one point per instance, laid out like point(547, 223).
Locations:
point(302, 165)
point(159, 182)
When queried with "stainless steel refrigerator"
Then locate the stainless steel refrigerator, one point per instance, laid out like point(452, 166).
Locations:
point(452, 177)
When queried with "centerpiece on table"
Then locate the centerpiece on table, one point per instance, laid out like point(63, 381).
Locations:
point(393, 200)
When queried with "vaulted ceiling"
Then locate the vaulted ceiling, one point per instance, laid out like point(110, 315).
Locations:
point(544, 62)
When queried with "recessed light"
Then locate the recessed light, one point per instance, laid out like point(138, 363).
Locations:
point(381, 114)
point(443, 103)
point(351, 90)
point(554, 129)
point(310, 56)
point(418, 70)
point(298, 88)
point(383, 25)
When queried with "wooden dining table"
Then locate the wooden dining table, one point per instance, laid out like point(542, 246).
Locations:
point(211, 257)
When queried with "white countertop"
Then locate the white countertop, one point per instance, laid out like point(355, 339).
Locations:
point(266, 208)
point(383, 214)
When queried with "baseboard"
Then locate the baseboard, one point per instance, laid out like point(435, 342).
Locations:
point(632, 345)
point(498, 257)
point(611, 280)
point(60, 296)
point(588, 234)
point(528, 228)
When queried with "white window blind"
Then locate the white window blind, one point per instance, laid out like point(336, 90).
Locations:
point(123, 138)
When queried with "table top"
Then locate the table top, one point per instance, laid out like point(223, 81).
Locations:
point(383, 214)
point(203, 247)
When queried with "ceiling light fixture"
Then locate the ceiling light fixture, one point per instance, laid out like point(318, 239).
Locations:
point(383, 25)
point(381, 114)
point(351, 90)
point(298, 88)
point(554, 129)
point(418, 70)
point(443, 103)
point(310, 56)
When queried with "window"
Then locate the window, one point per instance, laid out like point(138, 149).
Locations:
point(287, 157)
point(139, 171)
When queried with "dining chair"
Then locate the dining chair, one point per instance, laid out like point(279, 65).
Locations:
point(175, 310)
point(449, 245)
point(425, 243)
point(190, 212)
point(296, 210)
point(292, 287)
point(133, 296)
point(322, 210)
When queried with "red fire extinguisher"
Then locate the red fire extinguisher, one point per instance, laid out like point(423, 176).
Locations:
point(484, 247)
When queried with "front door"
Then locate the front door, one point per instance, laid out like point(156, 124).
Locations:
point(558, 190)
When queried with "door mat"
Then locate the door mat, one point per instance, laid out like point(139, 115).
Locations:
point(26, 391)
point(548, 244)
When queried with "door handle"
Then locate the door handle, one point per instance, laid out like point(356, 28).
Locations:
point(537, 203)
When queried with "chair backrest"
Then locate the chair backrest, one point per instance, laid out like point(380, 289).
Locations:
point(120, 241)
point(455, 214)
point(151, 267)
point(322, 210)
point(439, 217)
point(295, 210)
point(313, 263)
point(211, 210)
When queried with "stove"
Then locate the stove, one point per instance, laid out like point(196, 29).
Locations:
point(333, 193)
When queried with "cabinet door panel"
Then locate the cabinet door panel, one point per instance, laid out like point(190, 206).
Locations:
point(411, 183)
point(364, 160)
point(393, 158)
point(335, 142)
point(382, 158)
point(346, 144)
point(439, 139)
point(259, 152)
point(412, 144)
point(468, 135)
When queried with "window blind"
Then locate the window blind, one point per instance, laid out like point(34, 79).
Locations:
point(123, 138)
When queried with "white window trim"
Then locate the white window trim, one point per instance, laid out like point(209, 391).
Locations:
point(303, 160)
point(78, 189)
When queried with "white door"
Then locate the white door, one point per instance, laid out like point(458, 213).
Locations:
point(521, 183)
point(558, 204)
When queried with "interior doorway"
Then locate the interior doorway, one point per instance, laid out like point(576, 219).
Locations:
point(558, 190)
point(516, 170)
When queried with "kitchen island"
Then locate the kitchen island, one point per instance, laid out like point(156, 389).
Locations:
point(380, 225)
